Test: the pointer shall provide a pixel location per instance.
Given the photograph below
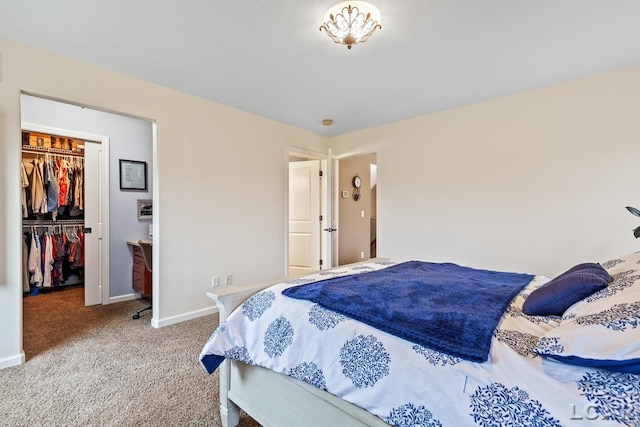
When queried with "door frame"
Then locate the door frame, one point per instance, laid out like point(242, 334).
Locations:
point(325, 249)
point(103, 268)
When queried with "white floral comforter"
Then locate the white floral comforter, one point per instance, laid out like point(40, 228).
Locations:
point(406, 384)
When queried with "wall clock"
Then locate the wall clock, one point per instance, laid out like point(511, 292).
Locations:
point(357, 182)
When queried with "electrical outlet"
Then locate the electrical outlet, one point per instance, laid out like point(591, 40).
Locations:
point(228, 279)
point(361, 255)
point(215, 281)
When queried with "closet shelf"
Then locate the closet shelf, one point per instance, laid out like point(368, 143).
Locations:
point(44, 142)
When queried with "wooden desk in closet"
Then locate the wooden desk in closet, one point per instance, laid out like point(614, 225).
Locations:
point(141, 276)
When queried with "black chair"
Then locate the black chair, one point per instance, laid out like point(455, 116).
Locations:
point(146, 254)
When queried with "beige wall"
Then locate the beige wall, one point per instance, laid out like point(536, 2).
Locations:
point(353, 228)
point(532, 182)
point(219, 182)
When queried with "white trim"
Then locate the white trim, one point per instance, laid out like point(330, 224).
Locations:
point(10, 361)
point(325, 203)
point(156, 267)
point(356, 153)
point(125, 297)
point(335, 211)
point(104, 202)
point(287, 154)
point(308, 154)
point(183, 317)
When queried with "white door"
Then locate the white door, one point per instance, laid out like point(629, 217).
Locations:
point(304, 217)
point(93, 219)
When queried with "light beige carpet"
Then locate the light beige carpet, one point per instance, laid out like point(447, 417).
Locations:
point(95, 366)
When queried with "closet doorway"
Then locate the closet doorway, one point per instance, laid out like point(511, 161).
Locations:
point(83, 259)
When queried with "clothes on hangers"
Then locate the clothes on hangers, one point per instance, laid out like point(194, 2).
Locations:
point(47, 265)
point(53, 256)
point(25, 185)
point(78, 200)
point(35, 267)
point(63, 182)
point(55, 185)
point(51, 182)
point(36, 184)
point(25, 267)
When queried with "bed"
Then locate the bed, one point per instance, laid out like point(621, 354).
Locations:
point(287, 357)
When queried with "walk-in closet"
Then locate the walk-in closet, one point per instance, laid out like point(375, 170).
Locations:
point(53, 212)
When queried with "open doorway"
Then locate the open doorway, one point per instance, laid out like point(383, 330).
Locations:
point(347, 225)
point(356, 208)
point(106, 137)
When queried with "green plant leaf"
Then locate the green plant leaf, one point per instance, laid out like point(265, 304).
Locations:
point(636, 232)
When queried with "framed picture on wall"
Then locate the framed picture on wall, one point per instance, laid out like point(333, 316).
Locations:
point(133, 175)
point(145, 209)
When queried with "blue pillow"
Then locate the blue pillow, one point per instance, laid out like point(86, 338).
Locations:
point(554, 297)
point(592, 267)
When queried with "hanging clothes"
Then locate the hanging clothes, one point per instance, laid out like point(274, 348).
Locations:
point(79, 188)
point(47, 265)
point(60, 242)
point(63, 182)
point(53, 192)
point(36, 184)
point(55, 268)
point(54, 257)
point(53, 185)
point(80, 250)
point(25, 185)
point(35, 267)
point(25, 266)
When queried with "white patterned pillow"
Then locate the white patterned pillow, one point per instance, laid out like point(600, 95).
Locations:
point(602, 330)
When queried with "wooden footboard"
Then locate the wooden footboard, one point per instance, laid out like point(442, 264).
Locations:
point(227, 299)
point(278, 400)
point(274, 399)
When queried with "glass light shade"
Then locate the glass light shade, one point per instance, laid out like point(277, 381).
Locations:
point(351, 22)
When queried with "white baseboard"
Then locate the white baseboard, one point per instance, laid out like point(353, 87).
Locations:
point(182, 317)
point(121, 298)
point(10, 361)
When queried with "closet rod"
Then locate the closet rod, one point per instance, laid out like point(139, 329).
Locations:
point(47, 222)
point(39, 150)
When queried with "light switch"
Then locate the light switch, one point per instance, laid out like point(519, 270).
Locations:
point(362, 214)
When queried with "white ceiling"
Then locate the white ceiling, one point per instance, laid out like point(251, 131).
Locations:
point(268, 57)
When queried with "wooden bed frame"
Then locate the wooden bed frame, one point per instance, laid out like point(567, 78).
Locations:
point(274, 399)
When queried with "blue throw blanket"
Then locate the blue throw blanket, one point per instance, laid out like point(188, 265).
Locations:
point(445, 307)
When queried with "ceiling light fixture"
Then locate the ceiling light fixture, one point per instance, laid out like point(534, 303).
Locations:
point(351, 22)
